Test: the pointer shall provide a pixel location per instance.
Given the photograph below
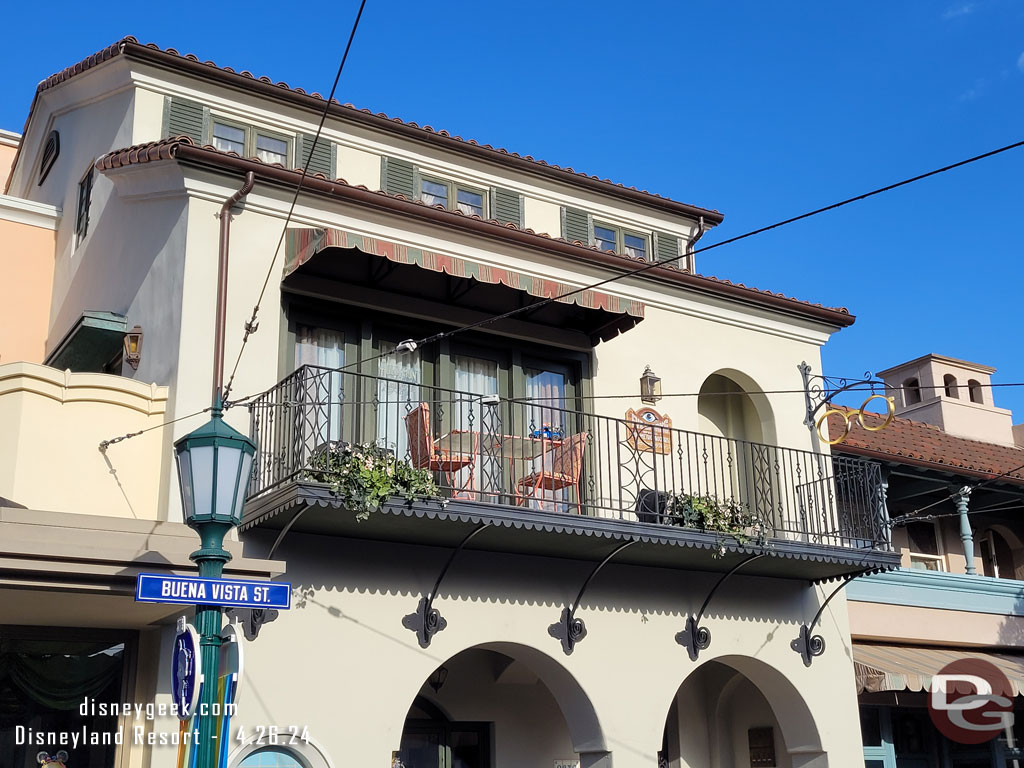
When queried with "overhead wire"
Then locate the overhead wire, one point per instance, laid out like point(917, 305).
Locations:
point(914, 517)
point(251, 325)
point(411, 344)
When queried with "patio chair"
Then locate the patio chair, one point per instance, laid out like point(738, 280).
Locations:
point(560, 467)
point(425, 453)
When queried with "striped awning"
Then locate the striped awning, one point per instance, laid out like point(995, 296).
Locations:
point(909, 668)
point(302, 244)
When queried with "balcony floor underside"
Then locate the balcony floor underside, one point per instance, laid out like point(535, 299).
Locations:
point(535, 532)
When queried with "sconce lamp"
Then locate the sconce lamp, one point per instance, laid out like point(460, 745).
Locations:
point(133, 347)
point(438, 678)
point(650, 386)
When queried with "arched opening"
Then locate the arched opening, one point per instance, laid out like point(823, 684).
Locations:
point(974, 389)
point(497, 705)
point(949, 382)
point(738, 438)
point(996, 555)
point(911, 391)
point(737, 711)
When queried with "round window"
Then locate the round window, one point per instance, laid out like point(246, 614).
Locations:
point(273, 757)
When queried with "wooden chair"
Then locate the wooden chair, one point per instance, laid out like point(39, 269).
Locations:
point(425, 454)
point(560, 467)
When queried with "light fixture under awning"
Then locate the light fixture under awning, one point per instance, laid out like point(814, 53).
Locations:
point(303, 244)
point(907, 668)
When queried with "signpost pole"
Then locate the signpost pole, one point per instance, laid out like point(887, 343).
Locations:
point(210, 559)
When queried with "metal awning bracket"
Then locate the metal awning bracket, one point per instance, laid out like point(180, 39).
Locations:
point(696, 638)
point(569, 629)
point(808, 645)
point(427, 621)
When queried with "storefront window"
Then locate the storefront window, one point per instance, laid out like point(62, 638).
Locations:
point(51, 686)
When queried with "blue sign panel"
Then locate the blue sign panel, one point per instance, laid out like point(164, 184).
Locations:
point(192, 590)
point(185, 677)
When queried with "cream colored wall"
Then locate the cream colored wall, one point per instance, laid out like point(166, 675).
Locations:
point(8, 149)
point(930, 626)
point(49, 448)
point(341, 662)
point(26, 263)
point(358, 168)
point(542, 216)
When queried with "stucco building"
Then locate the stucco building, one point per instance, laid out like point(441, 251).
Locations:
point(954, 483)
point(575, 531)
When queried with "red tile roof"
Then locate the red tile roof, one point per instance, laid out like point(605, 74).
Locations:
point(170, 57)
point(925, 445)
point(182, 147)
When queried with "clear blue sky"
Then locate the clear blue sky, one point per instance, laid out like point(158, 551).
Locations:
point(761, 110)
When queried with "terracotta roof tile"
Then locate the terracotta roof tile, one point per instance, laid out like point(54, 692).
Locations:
point(166, 149)
point(130, 43)
point(927, 444)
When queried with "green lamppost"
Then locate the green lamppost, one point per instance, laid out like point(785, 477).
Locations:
point(214, 464)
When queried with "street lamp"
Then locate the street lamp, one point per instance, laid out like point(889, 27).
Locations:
point(214, 464)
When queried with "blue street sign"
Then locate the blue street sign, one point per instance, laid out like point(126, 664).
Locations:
point(192, 590)
point(185, 677)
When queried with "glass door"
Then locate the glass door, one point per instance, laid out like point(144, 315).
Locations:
point(398, 394)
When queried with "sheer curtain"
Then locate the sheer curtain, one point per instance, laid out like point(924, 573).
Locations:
point(475, 376)
point(546, 392)
point(323, 391)
point(398, 392)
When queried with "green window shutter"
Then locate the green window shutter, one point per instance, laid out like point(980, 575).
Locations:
point(185, 118)
point(398, 177)
point(576, 225)
point(666, 247)
point(322, 160)
point(506, 206)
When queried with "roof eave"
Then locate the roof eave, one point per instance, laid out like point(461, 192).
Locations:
point(201, 156)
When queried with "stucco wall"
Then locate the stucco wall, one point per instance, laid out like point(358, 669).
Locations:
point(26, 263)
point(342, 663)
point(49, 451)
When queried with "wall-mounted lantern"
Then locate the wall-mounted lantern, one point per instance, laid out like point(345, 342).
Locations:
point(133, 347)
point(650, 386)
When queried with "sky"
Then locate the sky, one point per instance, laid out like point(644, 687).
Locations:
point(759, 110)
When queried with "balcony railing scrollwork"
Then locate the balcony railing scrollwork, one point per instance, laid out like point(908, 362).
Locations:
point(537, 454)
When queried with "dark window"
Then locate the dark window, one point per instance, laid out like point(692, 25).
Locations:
point(949, 382)
point(922, 538)
point(84, 199)
point(604, 238)
point(974, 389)
point(470, 203)
point(434, 193)
point(50, 152)
point(911, 391)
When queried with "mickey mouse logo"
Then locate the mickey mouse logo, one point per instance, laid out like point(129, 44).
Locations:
point(56, 761)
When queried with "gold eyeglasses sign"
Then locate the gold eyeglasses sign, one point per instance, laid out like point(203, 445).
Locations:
point(858, 415)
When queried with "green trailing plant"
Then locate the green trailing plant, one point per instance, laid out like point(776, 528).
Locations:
point(727, 519)
point(364, 476)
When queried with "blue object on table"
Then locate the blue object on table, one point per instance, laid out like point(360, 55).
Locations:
point(548, 433)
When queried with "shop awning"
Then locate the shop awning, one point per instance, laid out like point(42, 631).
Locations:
point(909, 668)
point(610, 314)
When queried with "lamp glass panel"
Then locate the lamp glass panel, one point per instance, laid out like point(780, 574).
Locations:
point(227, 479)
point(243, 483)
point(202, 479)
point(185, 481)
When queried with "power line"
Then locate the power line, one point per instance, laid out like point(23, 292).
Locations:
point(252, 325)
point(104, 444)
point(415, 344)
point(913, 517)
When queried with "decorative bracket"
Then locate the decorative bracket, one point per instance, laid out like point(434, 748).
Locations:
point(820, 390)
point(808, 645)
point(427, 621)
point(568, 628)
point(695, 637)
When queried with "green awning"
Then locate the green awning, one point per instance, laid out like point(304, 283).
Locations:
point(93, 341)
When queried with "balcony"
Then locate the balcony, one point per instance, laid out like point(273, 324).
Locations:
point(526, 467)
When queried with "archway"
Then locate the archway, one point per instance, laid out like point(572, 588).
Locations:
point(500, 704)
point(738, 711)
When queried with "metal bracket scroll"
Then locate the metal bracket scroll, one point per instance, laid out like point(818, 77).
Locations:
point(569, 629)
point(427, 621)
point(696, 638)
point(808, 645)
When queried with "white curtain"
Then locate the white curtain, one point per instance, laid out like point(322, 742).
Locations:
point(546, 392)
point(324, 390)
point(398, 392)
point(475, 376)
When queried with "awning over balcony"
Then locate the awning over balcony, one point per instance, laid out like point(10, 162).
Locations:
point(906, 668)
point(599, 315)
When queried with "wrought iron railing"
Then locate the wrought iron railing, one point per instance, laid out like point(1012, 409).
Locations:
point(538, 454)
